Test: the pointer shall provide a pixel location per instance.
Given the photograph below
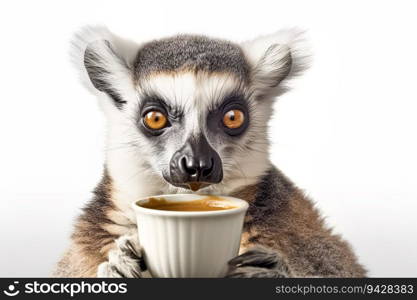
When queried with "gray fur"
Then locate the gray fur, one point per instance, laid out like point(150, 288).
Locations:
point(273, 191)
point(194, 52)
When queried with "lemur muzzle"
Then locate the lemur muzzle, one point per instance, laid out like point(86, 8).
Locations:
point(196, 165)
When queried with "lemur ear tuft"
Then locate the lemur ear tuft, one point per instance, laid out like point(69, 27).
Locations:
point(275, 59)
point(105, 63)
point(273, 66)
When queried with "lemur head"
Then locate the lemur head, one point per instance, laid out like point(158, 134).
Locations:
point(187, 112)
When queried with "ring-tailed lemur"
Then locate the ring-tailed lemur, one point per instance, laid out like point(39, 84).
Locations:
point(190, 113)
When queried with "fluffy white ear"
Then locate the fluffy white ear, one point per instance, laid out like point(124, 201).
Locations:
point(105, 63)
point(276, 58)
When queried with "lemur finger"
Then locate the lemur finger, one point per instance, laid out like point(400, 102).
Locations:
point(124, 263)
point(125, 260)
point(254, 272)
point(129, 246)
point(257, 256)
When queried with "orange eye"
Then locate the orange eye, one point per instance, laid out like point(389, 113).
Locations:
point(233, 118)
point(155, 120)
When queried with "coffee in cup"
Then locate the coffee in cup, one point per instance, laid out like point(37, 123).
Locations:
point(208, 203)
point(188, 235)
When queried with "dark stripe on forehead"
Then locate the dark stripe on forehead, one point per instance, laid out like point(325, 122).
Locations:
point(189, 52)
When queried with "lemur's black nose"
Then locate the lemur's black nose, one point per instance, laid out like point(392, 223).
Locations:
point(199, 168)
point(195, 165)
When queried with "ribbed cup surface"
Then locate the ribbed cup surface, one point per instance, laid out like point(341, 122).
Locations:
point(194, 245)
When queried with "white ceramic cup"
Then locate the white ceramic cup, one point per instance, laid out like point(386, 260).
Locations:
point(189, 243)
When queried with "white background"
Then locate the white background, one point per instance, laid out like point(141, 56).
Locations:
point(346, 133)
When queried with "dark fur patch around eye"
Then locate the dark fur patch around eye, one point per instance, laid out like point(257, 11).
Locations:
point(153, 102)
point(216, 113)
point(97, 73)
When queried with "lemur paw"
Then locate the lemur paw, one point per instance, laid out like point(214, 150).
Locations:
point(124, 261)
point(259, 262)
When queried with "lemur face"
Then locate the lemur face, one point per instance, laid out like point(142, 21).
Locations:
point(194, 110)
point(192, 120)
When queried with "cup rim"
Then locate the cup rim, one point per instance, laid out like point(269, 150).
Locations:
point(243, 206)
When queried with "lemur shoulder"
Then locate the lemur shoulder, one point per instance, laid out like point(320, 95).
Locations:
point(191, 113)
